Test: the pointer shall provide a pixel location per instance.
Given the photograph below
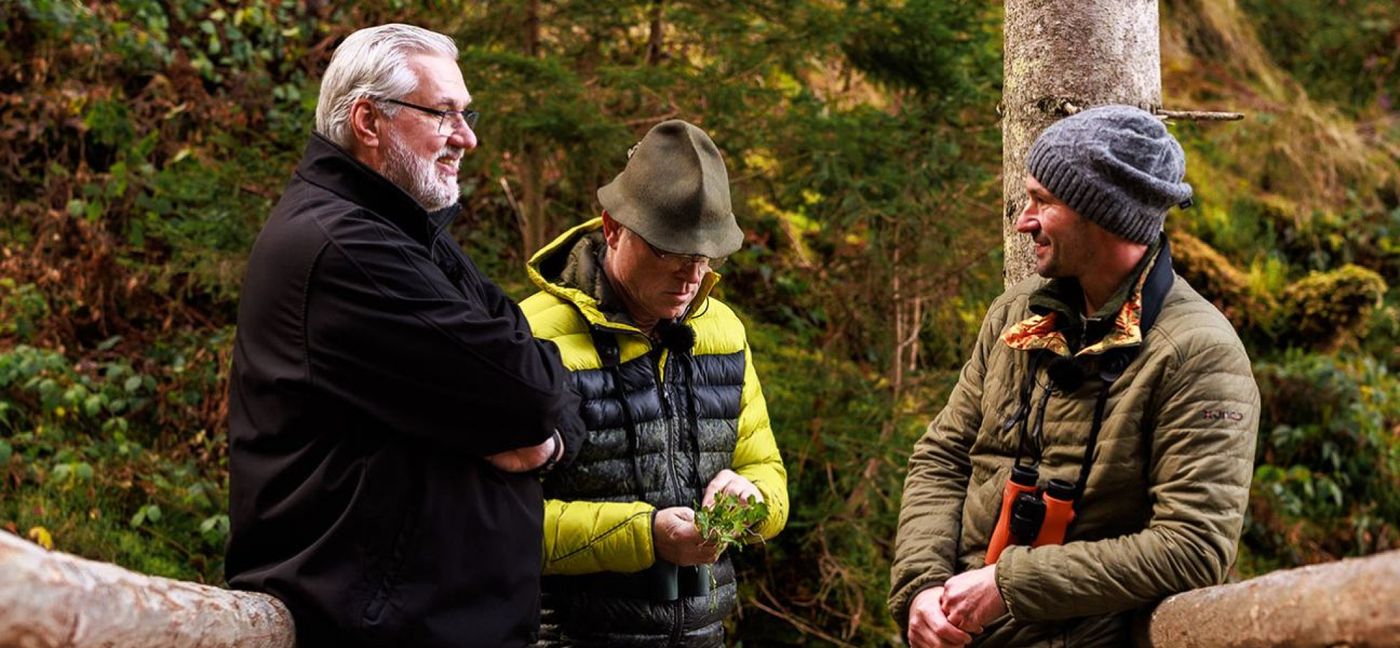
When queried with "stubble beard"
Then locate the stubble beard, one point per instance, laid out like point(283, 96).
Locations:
point(419, 177)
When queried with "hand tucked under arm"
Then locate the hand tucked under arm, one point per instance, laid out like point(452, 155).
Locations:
point(526, 459)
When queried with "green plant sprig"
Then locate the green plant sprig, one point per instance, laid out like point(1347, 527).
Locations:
point(729, 521)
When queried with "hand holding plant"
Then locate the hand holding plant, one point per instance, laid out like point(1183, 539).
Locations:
point(729, 520)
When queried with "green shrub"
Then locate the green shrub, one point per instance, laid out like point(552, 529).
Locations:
point(1325, 310)
point(1328, 459)
point(83, 455)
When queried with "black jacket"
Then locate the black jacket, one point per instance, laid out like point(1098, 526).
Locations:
point(374, 367)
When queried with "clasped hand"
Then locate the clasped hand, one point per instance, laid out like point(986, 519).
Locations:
point(950, 615)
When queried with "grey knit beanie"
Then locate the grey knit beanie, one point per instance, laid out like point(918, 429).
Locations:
point(1114, 165)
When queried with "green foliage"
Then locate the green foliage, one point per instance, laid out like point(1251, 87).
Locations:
point(1342, 52)
point(935, 49)
point(1328, 459)
point(22, 309)
point(845, 443)
point(1329, 308)
point(727, 522)
point(83, 455)
point(146, 140)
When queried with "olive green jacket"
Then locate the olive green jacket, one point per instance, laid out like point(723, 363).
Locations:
point(1165, 499)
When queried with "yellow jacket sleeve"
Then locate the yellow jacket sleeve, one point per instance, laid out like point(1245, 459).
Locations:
point(756, 456)
point(586, 537)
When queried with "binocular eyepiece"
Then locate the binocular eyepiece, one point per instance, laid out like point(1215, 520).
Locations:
point(1031, 515)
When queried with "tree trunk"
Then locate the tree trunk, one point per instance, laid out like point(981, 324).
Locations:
point(656, 35)
point(532, 28)
point(52, 599)
point(531, 169)
point(1354, 602)
point(1062, 56)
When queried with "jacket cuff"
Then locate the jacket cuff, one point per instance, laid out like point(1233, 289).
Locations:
point(900, 602)
point(572, 434)
point(1006, 576)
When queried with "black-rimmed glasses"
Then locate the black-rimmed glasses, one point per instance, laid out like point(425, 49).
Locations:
point(447, 119)
point(678, 260)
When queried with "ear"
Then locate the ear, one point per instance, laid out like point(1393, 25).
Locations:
point(612, 230)
point(365, 123)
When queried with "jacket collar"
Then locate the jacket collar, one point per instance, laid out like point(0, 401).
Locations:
point(1122, 323)
point(546, 266)
point(334, 169)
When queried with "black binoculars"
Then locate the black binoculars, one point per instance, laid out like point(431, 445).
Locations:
point(667, 582)
point(1031, 515)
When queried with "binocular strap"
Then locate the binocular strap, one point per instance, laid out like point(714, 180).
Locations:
point(610, 353)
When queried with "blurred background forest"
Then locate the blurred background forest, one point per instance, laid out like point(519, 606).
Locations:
point(142, 143)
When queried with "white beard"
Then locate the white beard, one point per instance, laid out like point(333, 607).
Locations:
point(419, 177)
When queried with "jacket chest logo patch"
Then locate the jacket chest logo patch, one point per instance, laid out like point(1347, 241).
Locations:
point(1222, 415)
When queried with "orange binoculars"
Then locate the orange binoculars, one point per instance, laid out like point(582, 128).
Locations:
point(1031, 515)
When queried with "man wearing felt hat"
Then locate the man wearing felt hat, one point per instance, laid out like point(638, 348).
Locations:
point(1105, 389)
point(672, 403)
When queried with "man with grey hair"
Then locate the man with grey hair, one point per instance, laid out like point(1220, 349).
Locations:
point(389, 409)
point(1096, 453)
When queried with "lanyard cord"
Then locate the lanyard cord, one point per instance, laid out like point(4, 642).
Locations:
point(1037, 436)
point(1094, 438)
point(610, 353)
point(1107, 376)
point(1023, 412)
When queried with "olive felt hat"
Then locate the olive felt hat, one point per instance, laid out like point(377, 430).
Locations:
point(674, 192)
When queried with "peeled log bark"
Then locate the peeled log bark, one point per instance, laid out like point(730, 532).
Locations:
point(1060, 53)
point(52, 599)
point(1354, 603)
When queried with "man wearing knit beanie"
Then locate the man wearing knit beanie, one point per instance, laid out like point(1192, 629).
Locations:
point(1096, 453)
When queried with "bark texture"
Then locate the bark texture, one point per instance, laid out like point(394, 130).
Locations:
point(1353, 603)
point(51, 599)
point(1061, 56)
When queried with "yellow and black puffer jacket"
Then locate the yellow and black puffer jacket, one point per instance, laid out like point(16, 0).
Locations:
point(661, 424)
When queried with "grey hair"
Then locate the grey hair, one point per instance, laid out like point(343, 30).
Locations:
point(372, 62)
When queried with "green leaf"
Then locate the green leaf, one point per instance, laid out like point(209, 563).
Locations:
point(727, 523)
point(92, 405)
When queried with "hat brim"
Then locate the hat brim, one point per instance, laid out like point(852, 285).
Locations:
point(721, 240)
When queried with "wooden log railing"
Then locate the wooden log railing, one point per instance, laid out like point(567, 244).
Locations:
point(55, 600)
point(52, 599)
point(1351, 603)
